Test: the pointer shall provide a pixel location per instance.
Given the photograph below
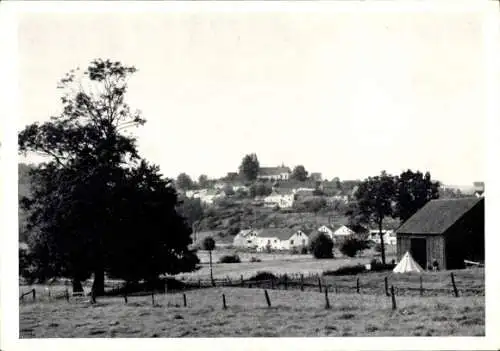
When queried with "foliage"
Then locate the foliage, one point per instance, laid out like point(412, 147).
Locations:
point(230, 259)
point(255, 259)
point(263, 276)
point(95, 204)
point(347, 270)
point(184, 182)
point(375, 196)
point(203, 181)
point(260, 189)
point(351, 246)
point(321, 246)
point(414, 190)
point(377, 266)
point(299, 173)
point(228, 190)
point(208, 244)
point(192, 210)
point(249, 167)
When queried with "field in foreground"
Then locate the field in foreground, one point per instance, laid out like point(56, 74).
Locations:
point(293, 313)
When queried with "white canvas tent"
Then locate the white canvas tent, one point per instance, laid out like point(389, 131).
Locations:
point(407, 265)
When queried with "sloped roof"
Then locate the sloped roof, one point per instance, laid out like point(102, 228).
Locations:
point(358, 229)
point(280, 233)
point(274, 170)
point(438, 215)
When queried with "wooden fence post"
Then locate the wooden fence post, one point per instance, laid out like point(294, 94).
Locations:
point(286, 282)
point(224, 306)
point(393, 298)
point(185, 299)
point(421, 286)
point(92, 295)
point(242, 281)
point(268, 300)
point(327, 301)
point(34, 294)
point(153, 298)
point(125, 297)
point(357, 285)
point(455, 290)
point(386, 285)
point(49, 293)
point(301, 282)
point(67, 294)
point(319, 283)
point(272, 283)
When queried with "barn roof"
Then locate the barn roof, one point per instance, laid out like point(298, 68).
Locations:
point(438, 215)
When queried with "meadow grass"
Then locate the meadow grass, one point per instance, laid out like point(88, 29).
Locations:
point(293, 314)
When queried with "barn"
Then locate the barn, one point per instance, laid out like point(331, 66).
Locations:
point(448, 231)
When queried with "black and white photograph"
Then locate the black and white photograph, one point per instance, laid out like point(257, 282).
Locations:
point(277, 171)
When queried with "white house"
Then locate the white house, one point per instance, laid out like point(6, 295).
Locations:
point(324, 229)
point(246, 238)
point(349, 230)
point(281, 200)
point(270, 238)
point(274, 173)
point(388, 235)
point(298, 239)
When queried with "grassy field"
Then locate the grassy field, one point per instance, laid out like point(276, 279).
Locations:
point(293, 313)
point(278, 263)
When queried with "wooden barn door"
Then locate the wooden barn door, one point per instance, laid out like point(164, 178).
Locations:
point(419, 251)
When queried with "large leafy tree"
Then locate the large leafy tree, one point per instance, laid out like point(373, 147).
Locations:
point(249, 167)
point(414, 190)
point(375, 201)
point(184, 182)
point(299, 173)
point(82, 193)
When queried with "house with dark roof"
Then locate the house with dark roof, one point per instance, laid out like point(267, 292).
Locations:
point(274, 173)
point(446, 231)
point(280, 239)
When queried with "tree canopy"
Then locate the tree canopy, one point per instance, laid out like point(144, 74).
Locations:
point(249, 167)
point(94, 200)
point(414, 190)
point(184, 182)
point(299, 173)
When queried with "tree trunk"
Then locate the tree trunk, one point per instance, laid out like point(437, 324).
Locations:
point(98, 284)
point(77, 286)
point(211, 273)
point(382, 244)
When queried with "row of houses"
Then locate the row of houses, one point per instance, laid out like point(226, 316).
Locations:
point(282, 198)
point(288, 239)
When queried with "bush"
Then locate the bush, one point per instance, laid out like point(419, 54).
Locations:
point(255, 259)
point(263, 276)
point(304, 250)
point(321, 246)
point(230, 259)
point(347, 270)
point(352, 246)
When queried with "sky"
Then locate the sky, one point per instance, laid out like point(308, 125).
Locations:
point(345, 94)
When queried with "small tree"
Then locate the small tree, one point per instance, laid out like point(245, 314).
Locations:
point(203, 181)
point(321, 246)
point(249, 167)
point(209, 245)
point(352, 246)
point(299, 173)
point(184, 182)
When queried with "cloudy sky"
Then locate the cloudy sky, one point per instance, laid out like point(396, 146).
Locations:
point(346, 94)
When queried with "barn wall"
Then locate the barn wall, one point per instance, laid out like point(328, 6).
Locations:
point(403, 245)
point(465, 239)
point(435, 250)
